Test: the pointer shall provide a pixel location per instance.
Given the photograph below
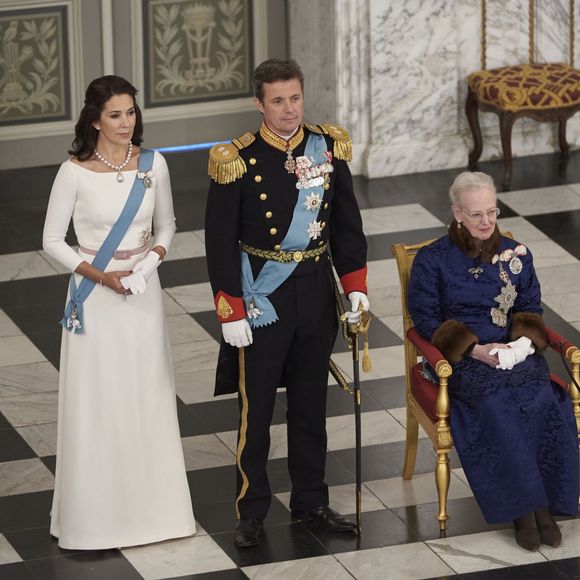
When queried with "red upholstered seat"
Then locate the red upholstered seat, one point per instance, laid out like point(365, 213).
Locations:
point(537, 86)
point(425, 391)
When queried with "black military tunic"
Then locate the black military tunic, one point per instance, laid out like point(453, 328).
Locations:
point(251, 200)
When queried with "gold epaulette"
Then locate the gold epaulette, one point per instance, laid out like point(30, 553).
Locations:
point(342, 141)
point(225, 164)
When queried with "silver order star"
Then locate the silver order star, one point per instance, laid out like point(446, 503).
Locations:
point(507, 296)
point(314, 230)
point(313, 202)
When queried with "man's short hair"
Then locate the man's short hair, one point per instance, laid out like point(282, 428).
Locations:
point(273, 70)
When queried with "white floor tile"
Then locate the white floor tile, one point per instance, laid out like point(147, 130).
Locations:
point(385, 301)
point(28, 378)
point(484, 551)
point(320, 568)
point(190, 357)
point(549, 253)
point(398, 218)
point(193, 297)
point(570, 547)
point(205, 451)
point(8, 555)
point(183, 328)
point(559, 279)
point(24, 265)
point(404, 562)
point(42, 438)
point(186, 245)
point(18, 350)
point(542, 200)
point(195, 555)
point(7, 327)
point(400, 415)
point(523, 231)
point(397, 492)
point(377, 427)
point(32, 409)
point(565, 305)
point(170, 306)
point(198, 387)
point(24, 476)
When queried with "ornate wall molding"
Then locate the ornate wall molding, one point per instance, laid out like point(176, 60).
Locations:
point(41, 79)
point(175, 57)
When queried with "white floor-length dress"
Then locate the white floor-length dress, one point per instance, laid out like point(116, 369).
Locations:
point(120, 472)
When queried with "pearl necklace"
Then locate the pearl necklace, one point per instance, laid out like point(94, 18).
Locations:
point(117, 168)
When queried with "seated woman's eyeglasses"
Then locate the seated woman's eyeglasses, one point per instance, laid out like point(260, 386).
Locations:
point(478, 215)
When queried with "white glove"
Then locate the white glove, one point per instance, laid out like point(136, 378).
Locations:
point(237, 333)
point(134, 282)
point(357, 298)
point(522, 348)
point(148, 264)
point(506, 356)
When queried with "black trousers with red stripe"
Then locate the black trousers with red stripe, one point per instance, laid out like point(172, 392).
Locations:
point(294, 353)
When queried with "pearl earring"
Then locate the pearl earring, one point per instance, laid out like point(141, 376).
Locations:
point(458, 225)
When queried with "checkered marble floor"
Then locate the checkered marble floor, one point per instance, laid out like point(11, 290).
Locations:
point(400, 534)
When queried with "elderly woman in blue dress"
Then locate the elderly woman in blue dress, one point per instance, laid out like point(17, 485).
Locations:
point(475, 295)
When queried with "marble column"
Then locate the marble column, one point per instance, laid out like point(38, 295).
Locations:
point(395, 74)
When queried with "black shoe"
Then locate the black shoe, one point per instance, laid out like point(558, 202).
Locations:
point(550, 533)
point(248, 532)
point(526, 532)
point(325, 517)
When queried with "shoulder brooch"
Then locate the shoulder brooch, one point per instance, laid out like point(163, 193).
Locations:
point(342, 141)
point(225, 164)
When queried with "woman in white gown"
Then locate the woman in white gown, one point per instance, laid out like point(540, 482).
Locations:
point(120, 472)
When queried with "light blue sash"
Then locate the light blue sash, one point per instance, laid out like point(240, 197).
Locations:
point(273, 274)
point(73, 312)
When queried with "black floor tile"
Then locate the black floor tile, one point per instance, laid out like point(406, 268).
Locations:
point(280, 543)
point(386, 460)
point(21, 294)
point(339, 402)
point(208, 321)
point(29, 510)
point(220, 516)
point(13, 446)
point(4, 424)
point(464, 518)
point(36, 543)
point(571, 244)
point(379, 246)
point(190, 422)
point(36, 317)
point(90, 565)
point(16, 571)
point(233, 574)
point(558, 225)
point(216, 484)
point(378, 529)
point(569, 566)
point(50, 462)
point(389, 392)
point(48, 343)
point(181, 272)
point(336, 473)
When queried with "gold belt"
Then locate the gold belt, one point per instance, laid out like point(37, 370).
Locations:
point(284, 256)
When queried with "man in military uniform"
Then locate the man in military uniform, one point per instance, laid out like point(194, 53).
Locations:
point(279, 200)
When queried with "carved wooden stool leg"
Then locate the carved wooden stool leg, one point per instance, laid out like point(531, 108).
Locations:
point(472, 113)
point(506, 122)
point(564, 147)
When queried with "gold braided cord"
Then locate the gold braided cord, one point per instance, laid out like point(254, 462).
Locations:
point(571, 39)
point(282, 256)
point(278, 142)
point(483, 34)
point(532, 14)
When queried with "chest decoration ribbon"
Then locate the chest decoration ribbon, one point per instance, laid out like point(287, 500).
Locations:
point(303, 228)
point(73, 312)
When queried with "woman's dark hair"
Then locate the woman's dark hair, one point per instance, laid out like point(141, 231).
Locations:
point(98, 93)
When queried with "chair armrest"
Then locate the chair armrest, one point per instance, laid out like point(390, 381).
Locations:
point(558, 342)
point(433, 355)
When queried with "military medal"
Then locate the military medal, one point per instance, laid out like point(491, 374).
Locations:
point(476, 272)
point(508, 294)
point(290, 163)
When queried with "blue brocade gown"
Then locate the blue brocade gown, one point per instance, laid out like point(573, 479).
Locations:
point(514, 431)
